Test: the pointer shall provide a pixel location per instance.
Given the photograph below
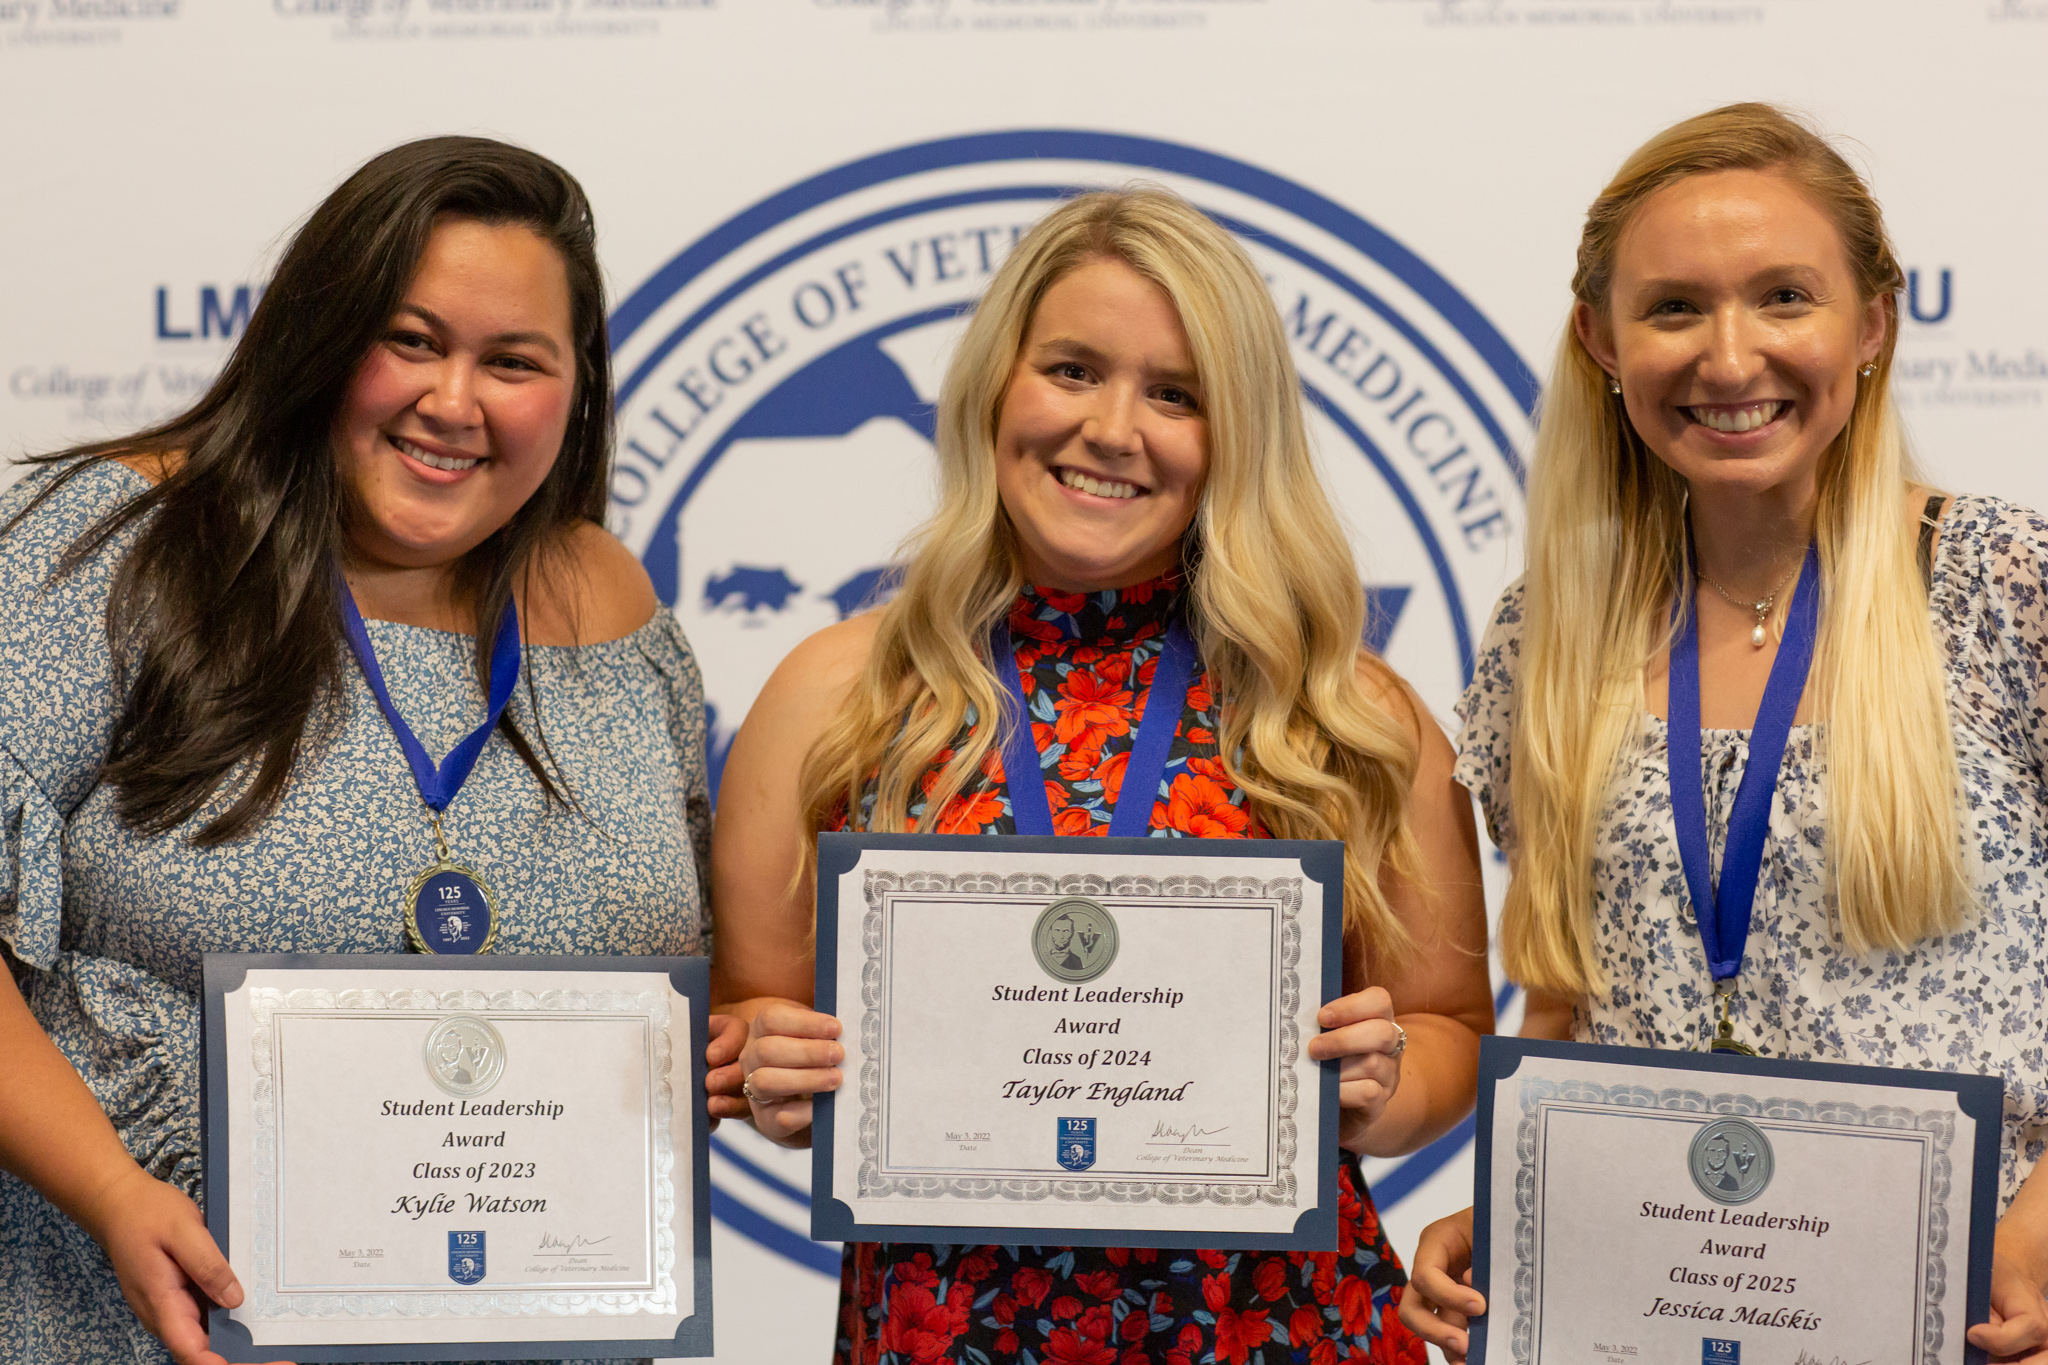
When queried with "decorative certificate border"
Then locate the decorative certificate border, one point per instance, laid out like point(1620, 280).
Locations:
point(1539, 1098)
point(269, 1299)
point(682, 1095)
point(1713, 1083)
point(1279, 1187)
point(849, 937)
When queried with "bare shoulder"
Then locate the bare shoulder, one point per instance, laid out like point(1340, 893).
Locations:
point(818, 673)
point(590, 589)
point(153, 465)
point(1918, 499)
point(794, 709)
point(1388, 691)
point(1926, 511)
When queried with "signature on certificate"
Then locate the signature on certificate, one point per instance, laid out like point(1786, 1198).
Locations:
point(1190, 1135)
point(568, 1246)
point(1809, 1358)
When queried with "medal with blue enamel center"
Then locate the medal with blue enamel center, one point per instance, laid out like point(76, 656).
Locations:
point(448, 908)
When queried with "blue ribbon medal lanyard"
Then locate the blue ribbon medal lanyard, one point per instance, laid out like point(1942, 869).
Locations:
point(1723, 911)
point(1132, 816)
point(448, 909)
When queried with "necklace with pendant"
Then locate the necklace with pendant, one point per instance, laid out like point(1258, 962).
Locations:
point(1762, 606)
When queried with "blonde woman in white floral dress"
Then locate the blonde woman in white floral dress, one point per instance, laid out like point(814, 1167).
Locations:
point(1719, 433)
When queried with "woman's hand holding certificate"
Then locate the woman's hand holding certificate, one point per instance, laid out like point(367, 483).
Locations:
point(1361, 1032)
point(790, 1055)
point(159, 1247)
point(2017, 1329)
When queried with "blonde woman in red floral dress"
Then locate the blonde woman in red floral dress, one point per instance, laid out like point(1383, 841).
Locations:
point(1121, 449)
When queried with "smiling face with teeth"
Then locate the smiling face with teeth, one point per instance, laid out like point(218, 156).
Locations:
point(457, 414)
point(1735, 327)
point(1101, 443)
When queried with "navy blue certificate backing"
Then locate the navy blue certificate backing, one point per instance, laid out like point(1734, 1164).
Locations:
point(1322, 861)
point(1980, 1097)
point(224, 972)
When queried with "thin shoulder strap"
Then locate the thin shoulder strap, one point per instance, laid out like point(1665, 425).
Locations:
point(1930, 521)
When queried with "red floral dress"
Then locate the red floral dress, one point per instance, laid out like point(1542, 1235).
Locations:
point(1086, 661)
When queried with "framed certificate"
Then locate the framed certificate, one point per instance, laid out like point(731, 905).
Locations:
point(1095, 1042)
point(445, 1158)
point(1636, 1206)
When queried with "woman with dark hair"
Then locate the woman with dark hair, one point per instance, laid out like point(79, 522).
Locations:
point(233, 643)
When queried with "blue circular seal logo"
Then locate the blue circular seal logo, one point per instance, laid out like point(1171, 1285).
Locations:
point(776, 382)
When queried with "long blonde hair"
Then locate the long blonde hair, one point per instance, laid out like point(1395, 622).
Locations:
point(1274, 604)
point(1607, 558)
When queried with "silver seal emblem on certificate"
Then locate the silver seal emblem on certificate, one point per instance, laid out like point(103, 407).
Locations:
point(465, 1055)
point(1074, 939)
point(1731, 1161)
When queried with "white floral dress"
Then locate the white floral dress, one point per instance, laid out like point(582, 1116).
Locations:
point(1970, 1001)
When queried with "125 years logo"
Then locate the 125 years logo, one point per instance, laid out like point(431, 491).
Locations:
point(776, 381)
point(466, 1257)
point(1075, 1144)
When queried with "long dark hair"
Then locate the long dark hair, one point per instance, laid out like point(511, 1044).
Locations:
point(224, 614)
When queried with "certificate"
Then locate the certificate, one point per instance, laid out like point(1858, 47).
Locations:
point(1099, 1042)
point(1636, 1206)
point(442, 1158)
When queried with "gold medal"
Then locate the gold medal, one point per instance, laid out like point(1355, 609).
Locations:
point(448, 908)
point(1724, 1039)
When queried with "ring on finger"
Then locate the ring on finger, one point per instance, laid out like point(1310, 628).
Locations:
point(747, 1089)
point(1400, 1040)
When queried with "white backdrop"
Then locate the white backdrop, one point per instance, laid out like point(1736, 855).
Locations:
point(796, 195)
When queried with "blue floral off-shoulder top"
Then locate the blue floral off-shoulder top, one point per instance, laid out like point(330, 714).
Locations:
point(104, 928)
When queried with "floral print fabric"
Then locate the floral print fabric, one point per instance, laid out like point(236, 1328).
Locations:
point(104, 927)
point(1086, 662)
point(1975, 1000)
